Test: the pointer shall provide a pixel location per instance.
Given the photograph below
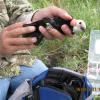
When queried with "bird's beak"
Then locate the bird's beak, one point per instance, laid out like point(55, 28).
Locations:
point(83, 29)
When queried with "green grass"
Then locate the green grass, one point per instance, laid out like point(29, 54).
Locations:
point(72, 52)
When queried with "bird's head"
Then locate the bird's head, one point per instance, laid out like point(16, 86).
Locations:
point(80, 26)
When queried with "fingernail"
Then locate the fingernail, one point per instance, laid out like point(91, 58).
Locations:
point(34, 39)
point(32, 28)
point(40, 27)
point(68, 16)
point(67, 29)
point(73, 22)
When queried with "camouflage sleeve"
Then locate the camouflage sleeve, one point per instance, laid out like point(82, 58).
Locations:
point(3, 15)
point(12, 11)
point(18, 10)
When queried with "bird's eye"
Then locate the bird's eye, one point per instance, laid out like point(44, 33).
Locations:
point(80, 22)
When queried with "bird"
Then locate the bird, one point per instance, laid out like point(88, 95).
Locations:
point(80, 26)
point(55, 22)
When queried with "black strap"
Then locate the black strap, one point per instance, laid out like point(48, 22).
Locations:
point(36, 95)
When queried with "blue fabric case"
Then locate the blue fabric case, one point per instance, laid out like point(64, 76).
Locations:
point(47, 93)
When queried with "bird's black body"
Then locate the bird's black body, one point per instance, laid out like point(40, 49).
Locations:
point(55, 22)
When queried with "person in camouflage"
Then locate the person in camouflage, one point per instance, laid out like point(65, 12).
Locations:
point(14, 49)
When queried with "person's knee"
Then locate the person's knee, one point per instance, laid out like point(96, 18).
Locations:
point(4, 86)
point(37, 68)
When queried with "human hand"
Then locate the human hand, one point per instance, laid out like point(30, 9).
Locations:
point(50, 12)
point(12, 41)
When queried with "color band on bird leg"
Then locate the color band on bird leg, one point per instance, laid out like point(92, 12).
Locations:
point(48, 26)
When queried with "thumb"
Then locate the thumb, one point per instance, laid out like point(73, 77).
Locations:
point(73, 22)
point(61, 13)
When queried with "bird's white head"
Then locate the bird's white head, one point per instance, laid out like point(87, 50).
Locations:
point(80, 26)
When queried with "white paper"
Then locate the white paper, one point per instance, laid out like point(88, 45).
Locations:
point(97, 47)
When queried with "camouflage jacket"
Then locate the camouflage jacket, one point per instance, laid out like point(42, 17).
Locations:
point(12, 11)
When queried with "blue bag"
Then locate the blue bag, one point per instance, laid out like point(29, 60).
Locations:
point(54, 84)
point(60, 84)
